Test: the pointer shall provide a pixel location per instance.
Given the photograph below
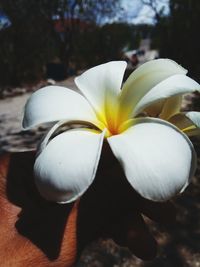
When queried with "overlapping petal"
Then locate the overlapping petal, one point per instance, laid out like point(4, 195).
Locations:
point(157, 158)
point(102, 84)
point(165, 108)
point(144, 78)
point(155, 109)
point(53, 103)
point(188, 122)
point(67, 165)
point(173, 86)
point(171, 106)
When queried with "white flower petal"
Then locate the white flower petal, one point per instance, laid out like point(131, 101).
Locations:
point(173, 86)
point(145, 77)
point(53, 103)
point(165, 108)
point(171, 106)
point(194, 116)
point(155, 109)
point(67, 165)
point(102, 83)
point(157, 158)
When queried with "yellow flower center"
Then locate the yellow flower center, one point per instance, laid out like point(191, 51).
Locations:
point(113, 118)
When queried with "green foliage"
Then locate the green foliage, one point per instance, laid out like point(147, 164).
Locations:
point(101, 44)
point(114, 38)
point(28, 44)
point(31, 41)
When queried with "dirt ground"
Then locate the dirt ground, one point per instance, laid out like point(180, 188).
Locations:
point(12, 137)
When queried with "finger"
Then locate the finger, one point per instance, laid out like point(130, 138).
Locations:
point(4, 164)
point(133, 233)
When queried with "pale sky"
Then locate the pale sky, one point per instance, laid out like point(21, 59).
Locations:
point(135, 12)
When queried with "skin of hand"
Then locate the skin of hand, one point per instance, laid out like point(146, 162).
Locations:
point(35, 232)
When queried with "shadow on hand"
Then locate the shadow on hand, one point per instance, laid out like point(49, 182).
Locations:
point(112, 209)
point(42, 222)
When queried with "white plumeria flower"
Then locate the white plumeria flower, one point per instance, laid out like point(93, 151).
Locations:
point(157, 157)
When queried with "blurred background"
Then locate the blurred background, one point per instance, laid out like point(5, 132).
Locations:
point(51, 41)
point(47, 42)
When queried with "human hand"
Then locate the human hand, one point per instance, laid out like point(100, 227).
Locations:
point(37, 232)
point(33, 231)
